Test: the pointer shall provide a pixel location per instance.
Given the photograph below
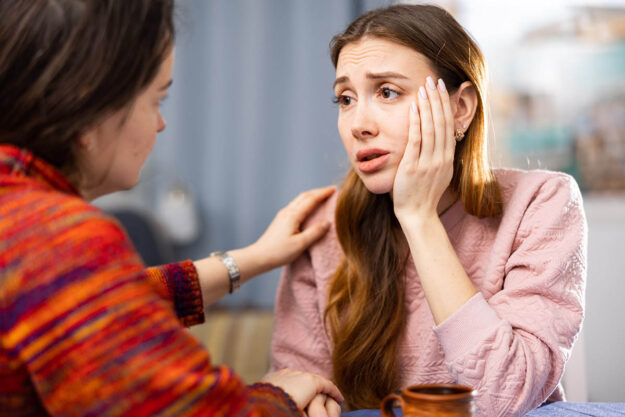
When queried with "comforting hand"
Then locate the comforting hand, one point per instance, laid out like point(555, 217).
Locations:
point(426, 168)
point(304, 387)
point(283, 241)
point(323, 406)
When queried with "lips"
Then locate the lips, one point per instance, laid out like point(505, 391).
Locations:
point(372, 159)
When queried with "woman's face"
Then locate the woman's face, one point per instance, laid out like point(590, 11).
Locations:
point(376, 80)
point(117, 148)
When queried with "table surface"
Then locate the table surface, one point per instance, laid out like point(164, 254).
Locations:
point(557, 409)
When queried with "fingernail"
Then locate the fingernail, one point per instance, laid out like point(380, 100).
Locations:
point(413, 107)
point(422, 92)
point(430, 83)
point(441, 85)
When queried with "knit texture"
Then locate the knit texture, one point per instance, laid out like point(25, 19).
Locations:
point(511, 340)
point(85, 330)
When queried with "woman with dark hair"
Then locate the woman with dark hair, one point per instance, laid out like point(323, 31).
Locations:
point(85, 328)
point(437, 268)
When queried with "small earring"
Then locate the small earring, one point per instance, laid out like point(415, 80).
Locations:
point(459, 135)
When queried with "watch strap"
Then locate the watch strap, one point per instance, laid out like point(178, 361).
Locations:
point(233, 269)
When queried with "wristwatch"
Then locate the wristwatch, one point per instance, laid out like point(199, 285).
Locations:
point(231, 266)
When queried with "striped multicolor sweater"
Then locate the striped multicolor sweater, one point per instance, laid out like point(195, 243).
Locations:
point(85, 329)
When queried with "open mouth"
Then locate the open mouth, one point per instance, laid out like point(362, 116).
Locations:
point(370, 157)
point(365, 155)
point(370, 160)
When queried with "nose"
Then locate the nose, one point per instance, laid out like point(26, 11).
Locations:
point(162, 124)
point(364, 125)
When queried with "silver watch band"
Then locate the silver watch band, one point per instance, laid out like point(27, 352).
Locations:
point(231, 266)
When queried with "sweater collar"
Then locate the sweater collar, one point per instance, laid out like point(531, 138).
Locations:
point(17, 162)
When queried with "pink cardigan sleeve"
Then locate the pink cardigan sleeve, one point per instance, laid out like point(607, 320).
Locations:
point(299, 340)
point(513, 347)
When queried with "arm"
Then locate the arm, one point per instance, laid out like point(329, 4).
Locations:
point(104, 342)
point(179, 283)
point(513, 348)
point(193, 285)
point(421, 190)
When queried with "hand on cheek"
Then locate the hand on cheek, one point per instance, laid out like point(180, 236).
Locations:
point(426, 168)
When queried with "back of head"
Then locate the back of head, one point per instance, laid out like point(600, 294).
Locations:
point(365, 311)
point(66, 64)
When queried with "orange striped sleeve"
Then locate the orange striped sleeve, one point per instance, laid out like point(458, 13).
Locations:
point(180, 282)
point(97, 339)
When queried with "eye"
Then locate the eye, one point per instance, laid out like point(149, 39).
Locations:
point(342, 100)
point(388, 94)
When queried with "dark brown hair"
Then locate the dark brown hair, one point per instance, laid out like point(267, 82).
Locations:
point(66, 64)
point(365, 311)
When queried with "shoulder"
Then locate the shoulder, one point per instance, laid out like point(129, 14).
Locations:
point(324, 211)
point(79, 215)
point(326, 253)
point(56, 221)
point(58, 241)
point(521, 187)
point(540, 199)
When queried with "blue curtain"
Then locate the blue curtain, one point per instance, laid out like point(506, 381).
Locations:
point(250, 119)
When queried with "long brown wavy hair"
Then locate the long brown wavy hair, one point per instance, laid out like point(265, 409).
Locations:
point(365, 312)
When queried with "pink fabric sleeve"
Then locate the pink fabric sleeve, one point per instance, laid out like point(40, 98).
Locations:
point(299, 340)
point(513, 348)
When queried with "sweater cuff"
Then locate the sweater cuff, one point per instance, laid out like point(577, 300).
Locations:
point(467, 327)
point(277, 396)
point(183, 287)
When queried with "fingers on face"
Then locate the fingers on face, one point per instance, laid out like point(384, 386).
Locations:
point(436, 119)
point(427, 124)
point(438, 116)
point(450, 140)
point(414, 134)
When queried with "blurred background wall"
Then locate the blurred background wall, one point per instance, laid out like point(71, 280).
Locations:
point(251, 124)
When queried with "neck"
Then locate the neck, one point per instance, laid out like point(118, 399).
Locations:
point(448, 199)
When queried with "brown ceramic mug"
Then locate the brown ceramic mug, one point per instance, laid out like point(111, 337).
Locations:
point(446, 400)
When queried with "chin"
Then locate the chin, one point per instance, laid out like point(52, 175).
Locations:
point(128, 184)
point(132, 184)
point(377, 185)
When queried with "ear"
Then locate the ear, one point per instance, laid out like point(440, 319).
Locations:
point(86, 142)
point(464, 102)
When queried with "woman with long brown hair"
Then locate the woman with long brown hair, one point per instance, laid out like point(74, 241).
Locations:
point(85, 328)
point(438, 268)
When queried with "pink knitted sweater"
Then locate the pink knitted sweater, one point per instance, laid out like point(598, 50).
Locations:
point(511, 340)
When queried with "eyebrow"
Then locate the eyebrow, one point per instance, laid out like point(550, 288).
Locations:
point(166, 86)
point(373, 76)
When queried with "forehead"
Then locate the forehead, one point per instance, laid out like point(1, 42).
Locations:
point(380, 55)
point(165, 70)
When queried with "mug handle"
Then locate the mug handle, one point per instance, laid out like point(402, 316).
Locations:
point(386, 407)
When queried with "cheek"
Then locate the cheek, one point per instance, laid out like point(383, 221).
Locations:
point(145, 134)
point(396, 126)
point(345, 133)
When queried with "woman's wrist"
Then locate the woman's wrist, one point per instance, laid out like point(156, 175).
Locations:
point(215, 277)
point(251, 261)
point(417, 222)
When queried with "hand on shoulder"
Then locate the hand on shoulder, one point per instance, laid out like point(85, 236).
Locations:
point(284, 241)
